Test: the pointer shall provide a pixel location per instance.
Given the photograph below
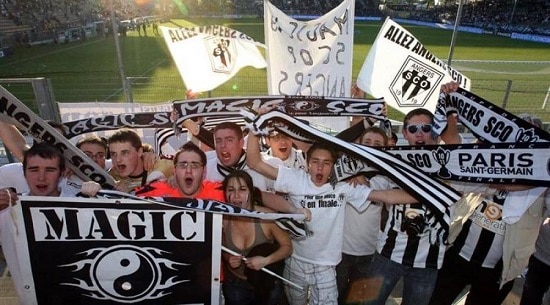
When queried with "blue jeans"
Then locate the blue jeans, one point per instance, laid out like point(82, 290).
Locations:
point(457, 273)
point(351, 269)
point(536, 283)
point(383, 275)
point(240, 292)
point(237, 291)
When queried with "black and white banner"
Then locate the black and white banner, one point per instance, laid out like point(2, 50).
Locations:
point(505, 163)
point(292, 223)
point(89, 251)
point(292, 105)
point(490, 123)
point(16, 112)
point(228, 107)
point(311, 57)
point(210, 55)
point(403, 71)
point(115, 121)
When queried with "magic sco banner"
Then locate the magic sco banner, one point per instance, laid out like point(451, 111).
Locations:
point(400, 69)
point(101, 251)
point(226, 107)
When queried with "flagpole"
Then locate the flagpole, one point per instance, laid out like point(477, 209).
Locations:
point(455, 31)
point(114, 26)
point(264, 269)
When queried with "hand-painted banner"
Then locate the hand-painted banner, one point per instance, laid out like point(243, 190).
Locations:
point(490, 123)
point(310, 57)
point(91, 251)
point(17, 113)
point(208, 56)
point(400, 69)
point(437, 195)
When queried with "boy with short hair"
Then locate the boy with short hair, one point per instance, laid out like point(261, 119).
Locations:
point(312, 264)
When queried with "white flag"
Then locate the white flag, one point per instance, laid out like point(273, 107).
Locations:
point(401, 70)
point(310, 57)
point(208, 56)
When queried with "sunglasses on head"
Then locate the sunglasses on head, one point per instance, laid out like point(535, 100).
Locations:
point(415, 128)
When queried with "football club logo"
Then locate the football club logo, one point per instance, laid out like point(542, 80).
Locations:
point(415, 83)
point(304, 106)
point(442, 156)
point(223, 54)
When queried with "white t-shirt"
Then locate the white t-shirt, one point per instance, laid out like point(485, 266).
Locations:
point(327, 206)
point(7, 234)
point(11, 175)
point(362, 229)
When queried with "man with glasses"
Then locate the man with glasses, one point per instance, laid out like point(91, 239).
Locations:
point(409, 246)
point(189, 173)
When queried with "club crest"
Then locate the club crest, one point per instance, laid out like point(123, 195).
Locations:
point(223, 54)
point(414, 83)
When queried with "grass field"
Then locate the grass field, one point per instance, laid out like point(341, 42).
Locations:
point(88, 70)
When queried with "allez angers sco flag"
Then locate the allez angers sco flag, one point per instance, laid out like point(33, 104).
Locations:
point(208, 56)
point(400, 69)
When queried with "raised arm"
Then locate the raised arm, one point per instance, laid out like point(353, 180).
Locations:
point(280, 204)
point(392, 196)
point(255, 161)
point(13, 140)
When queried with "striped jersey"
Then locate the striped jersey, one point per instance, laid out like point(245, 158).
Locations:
point(425, 250)
point(482, 236)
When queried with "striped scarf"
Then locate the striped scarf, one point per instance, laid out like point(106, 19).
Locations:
point(226, 170)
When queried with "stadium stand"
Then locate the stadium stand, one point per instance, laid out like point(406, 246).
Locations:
point(33, 22)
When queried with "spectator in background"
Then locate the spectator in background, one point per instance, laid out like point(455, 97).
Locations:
point(230, 155)
point(282, 147)
point(537, 280)
point(128, 169)
point(410, 247)
point(361, 231)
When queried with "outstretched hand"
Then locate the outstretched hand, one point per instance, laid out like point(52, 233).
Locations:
point(449, 87)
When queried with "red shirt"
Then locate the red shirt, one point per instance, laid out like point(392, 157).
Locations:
point(209, 190)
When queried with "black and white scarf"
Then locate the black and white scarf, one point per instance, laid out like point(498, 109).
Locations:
point(226, 170)
point(435, 194)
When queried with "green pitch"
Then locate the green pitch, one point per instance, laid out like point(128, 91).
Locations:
point(88, 70)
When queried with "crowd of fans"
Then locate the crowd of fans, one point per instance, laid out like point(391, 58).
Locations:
point(532, 17)
point(45, 18)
